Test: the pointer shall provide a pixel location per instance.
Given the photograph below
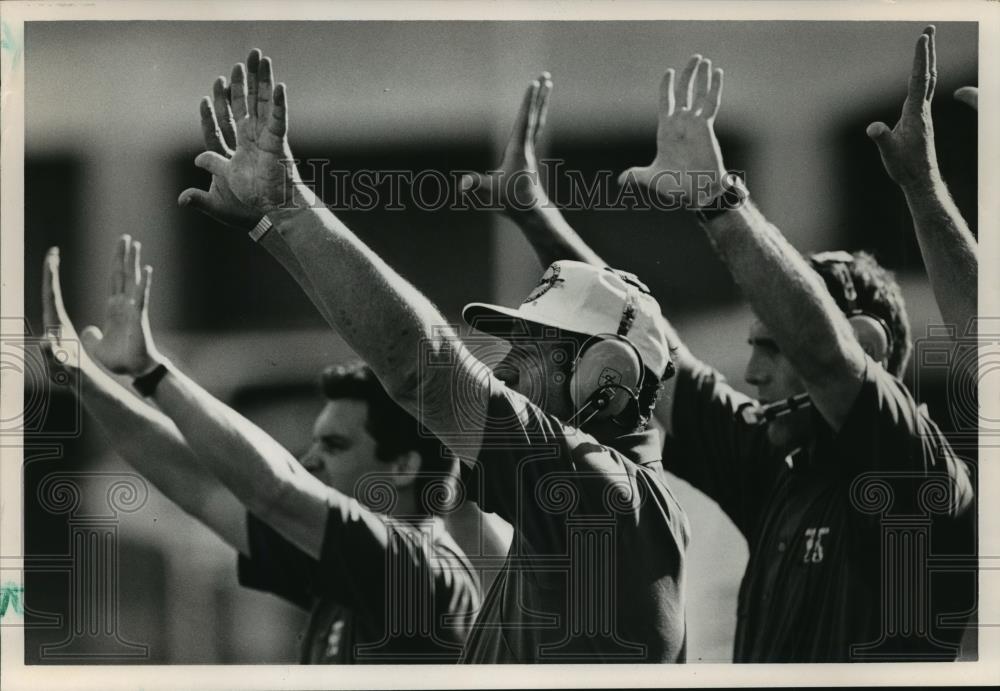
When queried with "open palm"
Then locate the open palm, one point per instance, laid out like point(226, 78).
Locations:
point(260, 173)
point(687, 151)
point(516, 185)
point(126, 344)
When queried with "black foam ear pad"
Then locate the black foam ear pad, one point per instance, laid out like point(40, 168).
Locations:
point(602, 372)
point(872, 335)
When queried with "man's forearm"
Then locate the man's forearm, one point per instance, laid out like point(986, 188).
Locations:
point(148, 441)
point(384, 319)
point(275, 245)
point(252, 465)
point(948, 249)
point(552, 237)
point(786, 295)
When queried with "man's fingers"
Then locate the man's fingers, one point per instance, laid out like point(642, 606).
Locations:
point(210, 128)
point(142, 293)
point(134, 262)
point(525, 117)
point(714, 98)
point(118, 264)
point(265, 76)
point(212, 162)
point(931, 62)
point(919, 76)
point(277, 124)
point(50, 290)
point(969, 95)
point(223, 113)
point(683, 96)
point(253, 65)
point(702, 83)
point(542, 104)
point(238, 93)
point(667, 93)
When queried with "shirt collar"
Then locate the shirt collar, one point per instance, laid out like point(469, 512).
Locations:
point(639, 447)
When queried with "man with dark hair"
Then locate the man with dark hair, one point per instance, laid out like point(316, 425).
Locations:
point(396, 432)
point(793, 475)
point(818, 479)
point(595, 570)
point(383, 580)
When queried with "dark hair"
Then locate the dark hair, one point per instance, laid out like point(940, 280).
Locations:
point(878, 294)
point(395, 432)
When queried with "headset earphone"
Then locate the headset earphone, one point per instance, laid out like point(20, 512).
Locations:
point(608, 371)
point(872, 331)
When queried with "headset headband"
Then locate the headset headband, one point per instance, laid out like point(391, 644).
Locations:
point(839, 264)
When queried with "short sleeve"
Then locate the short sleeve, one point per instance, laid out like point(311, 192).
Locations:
point(714, 449)
point(395, 576)
point(532, 467)
point(275, 565)
point(887, 432)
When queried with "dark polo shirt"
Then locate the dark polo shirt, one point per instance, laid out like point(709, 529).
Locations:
point(595, 568)
point(843, 534)
point(383, 591)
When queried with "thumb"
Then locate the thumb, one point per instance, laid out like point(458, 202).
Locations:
point(470, 182)
point(195, 198)
point(90, 337)
point(969, 95)
point(212, 162)
point(877, 131)
point(630, 176)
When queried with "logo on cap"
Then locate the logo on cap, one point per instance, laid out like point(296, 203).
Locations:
point(546, 284)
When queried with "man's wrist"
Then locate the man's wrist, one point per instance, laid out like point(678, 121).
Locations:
point(732, 194)
point(930, 183)
point(147, 382)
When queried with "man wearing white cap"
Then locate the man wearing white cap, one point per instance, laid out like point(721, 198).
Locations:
point(559, 448)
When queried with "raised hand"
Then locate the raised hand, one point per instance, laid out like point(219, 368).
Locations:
point(261, 173)
point(688, 160)
point(969, 95)
point(908, 148)
point(126, 345)
point(516, 185)
point(61, 344)
point(219, 131)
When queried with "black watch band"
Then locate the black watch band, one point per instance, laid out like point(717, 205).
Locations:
point(733, 196)
point(147, 383)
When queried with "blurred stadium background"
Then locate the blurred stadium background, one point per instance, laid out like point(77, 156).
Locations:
point(112, 130)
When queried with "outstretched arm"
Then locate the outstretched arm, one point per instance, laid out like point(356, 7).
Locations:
point(517, 186)
point(784, 292)
point(384, 319)
point(265, 478)
point(947, 245)
point(144, 437)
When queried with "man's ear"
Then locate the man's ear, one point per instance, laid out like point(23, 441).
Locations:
point(405, 468)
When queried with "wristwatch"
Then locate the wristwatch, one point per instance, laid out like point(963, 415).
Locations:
point(146, 384)
point(734, 195)
point(263, 225)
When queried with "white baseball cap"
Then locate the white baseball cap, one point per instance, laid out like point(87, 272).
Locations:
point(582, 298)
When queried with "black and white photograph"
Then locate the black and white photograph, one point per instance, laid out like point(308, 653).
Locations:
point(644, 343)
